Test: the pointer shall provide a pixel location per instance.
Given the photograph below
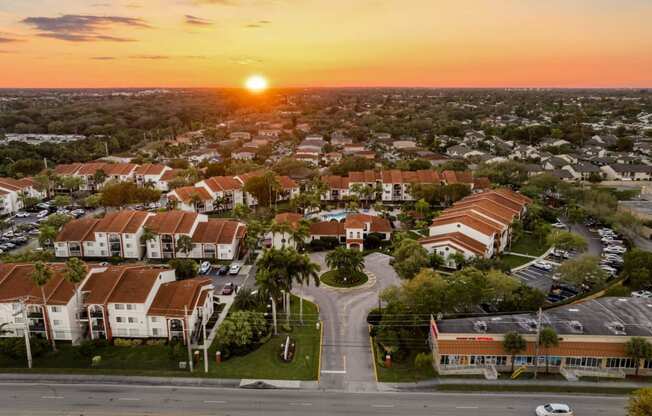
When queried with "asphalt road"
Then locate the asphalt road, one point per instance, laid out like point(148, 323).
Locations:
point(96, 400)
point(346, 353)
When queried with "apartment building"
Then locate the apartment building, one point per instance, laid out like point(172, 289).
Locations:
point(152, 174)
point(225, 190)
point(21, 304)
point(13, 191)
point(95, 174)
point(212, 238)
point(397, 183)
point(191, 199)
point(353, 230)
point(117, 234)
point(116, 300)
point(479, 225)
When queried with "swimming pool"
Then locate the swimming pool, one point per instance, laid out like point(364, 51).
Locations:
point(338, 216)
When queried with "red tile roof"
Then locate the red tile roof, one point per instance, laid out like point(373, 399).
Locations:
point(222, 183)
point(327, 228)
point(172, 297)
point(171, 222)
point(150, 169)
point(459, 239)
point(16, 283)
point(336, 182)
point(217, 231)
point(120, 284)
point(186, 193)
point(365, 176)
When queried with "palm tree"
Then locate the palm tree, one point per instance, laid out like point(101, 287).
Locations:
point(513, 344)
point(219, 203)
point(345, 262)
point(638, 349)
point(41, 276)
point(300, 233)
point(99, 177)
point(302, 270)
point(195, 200)
point(185, 244)
point(75, 272)
point(147, 235)
point(548, 338)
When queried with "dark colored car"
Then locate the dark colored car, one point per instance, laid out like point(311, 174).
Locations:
point(228, 289)
point(223, 270)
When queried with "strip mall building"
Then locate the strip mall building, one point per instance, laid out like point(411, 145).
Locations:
point(592, 337)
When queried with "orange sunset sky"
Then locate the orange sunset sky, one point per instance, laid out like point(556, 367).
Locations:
point(218, 43)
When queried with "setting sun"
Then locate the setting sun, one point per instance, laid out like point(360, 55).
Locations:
point(256, 83)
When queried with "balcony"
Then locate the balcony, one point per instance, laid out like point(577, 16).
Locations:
point(96, 314)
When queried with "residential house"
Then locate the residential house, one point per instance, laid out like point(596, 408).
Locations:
point(627, 172)
point(150, 174)
point(13, 193)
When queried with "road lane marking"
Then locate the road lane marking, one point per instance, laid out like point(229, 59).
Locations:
point(214, 401)
point(300, 404)
point(382, 405)
point(51, 397)
point(466, 407)
point(333, 371)
point(129, 399)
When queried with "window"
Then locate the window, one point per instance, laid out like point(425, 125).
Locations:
point(119, 306)
point(55, 309)
point(155, 332)
point(59, 334)
point(56, 322)
point(132, 320)
point(131, 307)
point(133, 332)
point(128, 245)
point(154, 318)
point(583, 361)
point(621, 362)
point(119, 319)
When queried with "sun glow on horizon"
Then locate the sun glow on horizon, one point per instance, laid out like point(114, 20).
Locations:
point(256, 83)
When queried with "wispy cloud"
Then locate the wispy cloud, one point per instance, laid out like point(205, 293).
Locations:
point(245, 60)
point(83, 28)
point(9, 38)
point(258, 24)
point(220, 2)
point(197, 21)
point(103, 58)
point(151, 57)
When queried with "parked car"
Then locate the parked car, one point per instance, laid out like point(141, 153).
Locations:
point(558, 224)
point(223, 270)
point(554, 409)
point(235, 269)
point(22, 214)
point(615, 249)
point(642, 294)
point(562, 254)
point(43, 214)
point(542, 265)
point(205, 267)
point(228, 289)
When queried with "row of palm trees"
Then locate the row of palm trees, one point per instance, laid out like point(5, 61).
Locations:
point(277, 272)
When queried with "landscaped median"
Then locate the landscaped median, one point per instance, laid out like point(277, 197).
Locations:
point(355, 278)
point(155, 358)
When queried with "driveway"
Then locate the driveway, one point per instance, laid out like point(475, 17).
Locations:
point(346, 352)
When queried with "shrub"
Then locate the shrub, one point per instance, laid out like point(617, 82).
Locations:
point(97, 360)
point(423, 360)
point(324, 243)
point(15, 347)
point(122, 342)
point(152, 342)
point(374, 316)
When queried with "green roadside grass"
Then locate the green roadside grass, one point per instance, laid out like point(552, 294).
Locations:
point(156, 361)
point(403, 371)
point(597, 390)
point(265, 362)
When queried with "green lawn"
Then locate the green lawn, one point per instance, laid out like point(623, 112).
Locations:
point(155, 360)
point(330, 278)
point(402, 372)
point(265, 362)
point(513, 261)
point(528, 245)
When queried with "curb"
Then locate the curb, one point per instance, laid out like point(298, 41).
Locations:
point(44, 378)
point(371, 282)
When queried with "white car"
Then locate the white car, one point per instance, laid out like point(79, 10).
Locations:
point(558, 224)
point(234, 269)
point(204, 267)
point(22, 214)
point(610, 270)
point(642, 294)
point(554, 409)
point(43, 214)
point(615, 250)
point(542, 265)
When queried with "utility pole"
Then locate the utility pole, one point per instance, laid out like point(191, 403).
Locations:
point(28, 347)
point(106, 148)
point(203, 325)
point(536, 346)
point(45, 163)
point(185, 324)
point(274, 315)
